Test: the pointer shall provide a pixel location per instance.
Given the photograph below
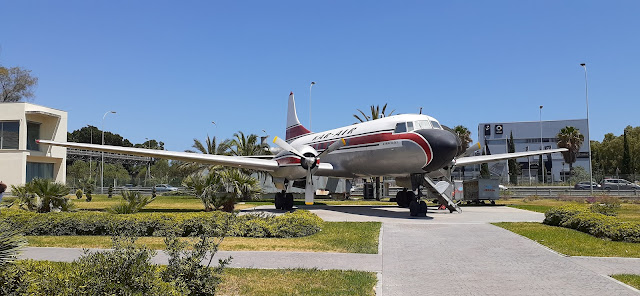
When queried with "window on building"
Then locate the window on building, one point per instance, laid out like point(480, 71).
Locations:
point(39, 170)
point(401, 128)
point(9, 134)
point(33, 133)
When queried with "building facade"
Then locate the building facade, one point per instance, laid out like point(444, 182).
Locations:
point(21, 158)
point(529, 136)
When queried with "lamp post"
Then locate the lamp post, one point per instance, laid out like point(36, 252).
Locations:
point(102, 166)
point(310, 86)
point(586, 94)
point(541, 148)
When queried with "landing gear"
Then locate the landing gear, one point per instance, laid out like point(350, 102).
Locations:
point(284, 201)
point(404, 198)
point(418, 208)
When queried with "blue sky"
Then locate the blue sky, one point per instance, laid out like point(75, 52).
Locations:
point(169, 68)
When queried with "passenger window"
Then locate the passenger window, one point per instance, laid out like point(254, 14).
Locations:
point(401, 128)
point(435, 124)
point(409, 126)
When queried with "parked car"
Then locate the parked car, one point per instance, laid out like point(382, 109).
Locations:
point(503, 188)
point(165, 188)
point(618, 184)
point(585, 186)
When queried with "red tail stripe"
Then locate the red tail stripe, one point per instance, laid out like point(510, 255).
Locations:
point(296, 131)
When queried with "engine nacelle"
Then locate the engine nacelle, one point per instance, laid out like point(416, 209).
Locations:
point(292, 167)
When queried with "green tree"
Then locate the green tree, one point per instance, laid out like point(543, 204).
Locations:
point(249, 145)
point(10, 244)
point(16, 83)
point(465, 136)
point(570, 137)
point(626, 156)
point(115, 172)
point(514, 167)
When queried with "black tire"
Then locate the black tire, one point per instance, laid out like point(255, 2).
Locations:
point(422, 208)
point(279, 200)
point(401, 199)
point(493, 202)
point(414, 208)
point(288, 202)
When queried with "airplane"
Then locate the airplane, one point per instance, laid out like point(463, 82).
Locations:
point(415, 149)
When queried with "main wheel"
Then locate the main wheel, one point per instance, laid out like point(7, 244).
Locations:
point(422, 207)
point(401, 199)
point(414, 207)
point(288, 202)
point(279, 200)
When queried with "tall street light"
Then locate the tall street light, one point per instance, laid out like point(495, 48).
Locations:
point(541, 148)
point(310, 86)
point(586, 94)
point(102, 166)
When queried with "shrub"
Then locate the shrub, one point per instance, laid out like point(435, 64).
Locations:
point(10, 244)
point(13, 280)
point(89, 196)
point(606, 205)
point(599, 225)
point(296, 224)
point(79, 193)
point(133, 203)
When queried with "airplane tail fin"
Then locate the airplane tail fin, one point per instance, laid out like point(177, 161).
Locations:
point(294, 128)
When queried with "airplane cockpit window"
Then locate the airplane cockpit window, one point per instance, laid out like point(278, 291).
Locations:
point(422, 124)
point(436, 124)
point(401, 127)
point(409, 126)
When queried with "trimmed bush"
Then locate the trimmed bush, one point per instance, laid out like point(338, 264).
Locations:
point(599, 225)
point(296, 224)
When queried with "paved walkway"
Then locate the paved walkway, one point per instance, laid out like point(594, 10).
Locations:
point(445, 254)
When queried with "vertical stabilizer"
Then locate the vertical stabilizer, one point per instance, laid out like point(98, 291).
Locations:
point(294, 128)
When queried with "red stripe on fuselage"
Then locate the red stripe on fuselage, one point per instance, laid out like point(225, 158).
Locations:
point(296, 131)
point(384, 137)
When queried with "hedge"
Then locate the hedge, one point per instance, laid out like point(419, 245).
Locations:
point(295, 224)
point(582, 219)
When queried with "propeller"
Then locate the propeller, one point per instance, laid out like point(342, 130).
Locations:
point(309, 162)
point(470, 150)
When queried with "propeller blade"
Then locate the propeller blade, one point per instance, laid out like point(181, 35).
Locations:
point(471, 149)
point(333, 147)
point(308, 189)
point(284, 145)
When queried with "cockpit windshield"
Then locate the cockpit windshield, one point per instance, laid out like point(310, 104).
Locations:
point(422, 124)
point(435, 124)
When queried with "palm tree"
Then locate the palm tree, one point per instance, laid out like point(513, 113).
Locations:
point(375, 113)
point(464, 134)
point(49, 195)
point(10, 244)
point(243, 145)
point(570, 137)
point(210, 146)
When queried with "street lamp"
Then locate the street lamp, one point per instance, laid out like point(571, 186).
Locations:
point(586, 94)
point(542, 162)
point(102, 166)
point(310, 86)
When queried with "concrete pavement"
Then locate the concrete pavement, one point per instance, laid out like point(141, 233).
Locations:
point(444, 253)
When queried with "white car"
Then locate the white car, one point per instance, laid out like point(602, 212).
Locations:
point(164, 188)
point(503, 188)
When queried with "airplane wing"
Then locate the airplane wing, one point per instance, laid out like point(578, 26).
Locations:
point(224, 160)
point(469, 160)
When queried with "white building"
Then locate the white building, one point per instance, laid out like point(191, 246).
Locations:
point(21, 158)
point(527, 136)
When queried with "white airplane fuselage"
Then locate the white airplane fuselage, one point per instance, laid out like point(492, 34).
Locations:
point(395, 146)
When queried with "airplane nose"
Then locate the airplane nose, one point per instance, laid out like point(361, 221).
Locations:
point(444, 147)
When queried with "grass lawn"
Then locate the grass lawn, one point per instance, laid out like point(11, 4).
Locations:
point(629, 279)
point(341, 237)
point(242, 281)
point(572, 242)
